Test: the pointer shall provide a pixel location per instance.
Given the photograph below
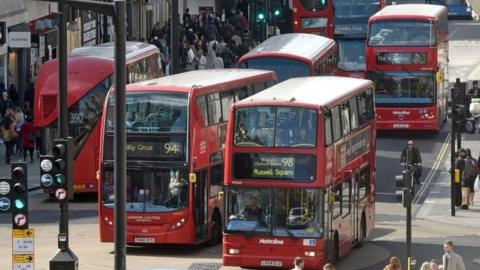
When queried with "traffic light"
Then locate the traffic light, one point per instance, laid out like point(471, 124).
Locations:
point(61, 163)
point(46, 173)
point(458, 117)
point(405, 194)
point(19, 195)
point(260, 12)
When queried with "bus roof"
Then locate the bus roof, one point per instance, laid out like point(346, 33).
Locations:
point(409, 11)
point(320, 91)
point(107, 50)
point(203, 78)
point(307, 47)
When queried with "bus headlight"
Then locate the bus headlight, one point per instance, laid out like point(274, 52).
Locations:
point(233, 251)
point(310, 253)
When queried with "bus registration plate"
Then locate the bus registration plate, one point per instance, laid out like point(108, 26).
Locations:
point(145, 240)
point(401, 125)
point(271, 263)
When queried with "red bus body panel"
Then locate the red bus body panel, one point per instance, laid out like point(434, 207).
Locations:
point(81, 79)
point(202, 141)
point(330, 171)
point(413, 117)
point(299, 12)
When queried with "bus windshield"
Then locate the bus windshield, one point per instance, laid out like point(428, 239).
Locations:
point(351, 55)
point(152, 112)
point(314, 4)
point(83, 117)
point(401, 33)
point(275, 127)
point(351, 16)
point(293, 212)
point(403, 88)
point(285, 68)
point(149, 190)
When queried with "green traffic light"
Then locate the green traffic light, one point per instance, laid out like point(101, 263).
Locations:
point(19, 204)
point(261, 16)
point(59, 179)
point(276, 12)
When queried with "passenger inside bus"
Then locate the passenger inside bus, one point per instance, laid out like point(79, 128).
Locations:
point(252, 209)
point(177, 188)
point(133, 189)
point(263, 132)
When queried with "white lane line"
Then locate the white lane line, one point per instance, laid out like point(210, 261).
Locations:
point(435, 167)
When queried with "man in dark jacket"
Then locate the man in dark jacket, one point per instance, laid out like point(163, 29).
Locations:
point(413, 158)
point(5, 103)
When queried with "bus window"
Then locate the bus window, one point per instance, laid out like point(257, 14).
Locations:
point(364, 183)
point(214, 109)
point(346, 196)
point(202, 107)
point(369, 103)
point(328, 128)
point(227, 99)
point(337, 202)
point(353, 113)
point(337, 129)
point(216, 179)
point(246, 212)
point(344, 112)
point(363, 116)
point(297, 212)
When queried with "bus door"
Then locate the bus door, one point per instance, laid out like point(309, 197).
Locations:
point(200, 205)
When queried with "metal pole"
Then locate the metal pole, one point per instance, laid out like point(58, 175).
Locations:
point(63, 110)
point(120, 136)
point(409, 231)
point(452, 172)
point(174, 39)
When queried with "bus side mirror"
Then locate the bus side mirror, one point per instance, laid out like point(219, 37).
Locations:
point(192, 177)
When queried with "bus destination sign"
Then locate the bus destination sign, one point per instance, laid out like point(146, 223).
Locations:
point(274, 167)
point(154, 149)
point(401, 58)
point(263, 166)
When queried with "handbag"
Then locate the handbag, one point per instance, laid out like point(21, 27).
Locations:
point(31, 138)
point(476, 186)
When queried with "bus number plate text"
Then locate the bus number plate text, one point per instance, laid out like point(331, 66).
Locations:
point(271, 263)
point(401, 125)
point(145, 240)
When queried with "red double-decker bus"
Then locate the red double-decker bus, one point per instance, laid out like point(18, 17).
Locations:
point(293, 55)
point(176, 128)
point(299, 173)
point(90, 72)
point(407, 59)
point(350, 20)
point(313, 16)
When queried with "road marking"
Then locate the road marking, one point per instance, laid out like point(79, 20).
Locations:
point(435, 167)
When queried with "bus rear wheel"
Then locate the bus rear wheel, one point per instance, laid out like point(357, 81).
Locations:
point(216, 231)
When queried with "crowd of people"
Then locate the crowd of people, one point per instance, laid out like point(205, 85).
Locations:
point(207, 40)
point(17, 130)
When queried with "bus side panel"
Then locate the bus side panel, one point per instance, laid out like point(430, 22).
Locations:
point(86, 164)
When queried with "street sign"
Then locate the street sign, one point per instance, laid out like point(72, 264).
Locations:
point(61, 194)
point(23, 241)
point(23, 262)
point(4, 204)
point(46, 180)
point(4, 188)
point(20, 220)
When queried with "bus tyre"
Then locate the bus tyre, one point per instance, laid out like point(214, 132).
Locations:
point(216, 231)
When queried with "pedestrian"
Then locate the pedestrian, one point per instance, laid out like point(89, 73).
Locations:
point(434, 264)
point(412, 157)
point(471, 172)
point(9, 135)
point(299, 263)
point(394, 264)
point(474, 92)
point(328, 266)
point(27, 134)
point(459, 165)
point(451, 260)
point(5, 103)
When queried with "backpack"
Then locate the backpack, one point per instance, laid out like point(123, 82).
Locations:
point(473, 169)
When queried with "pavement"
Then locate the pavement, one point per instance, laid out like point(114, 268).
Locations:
point(437, 206)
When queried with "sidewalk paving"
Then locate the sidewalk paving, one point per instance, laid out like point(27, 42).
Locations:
point(437, 205)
